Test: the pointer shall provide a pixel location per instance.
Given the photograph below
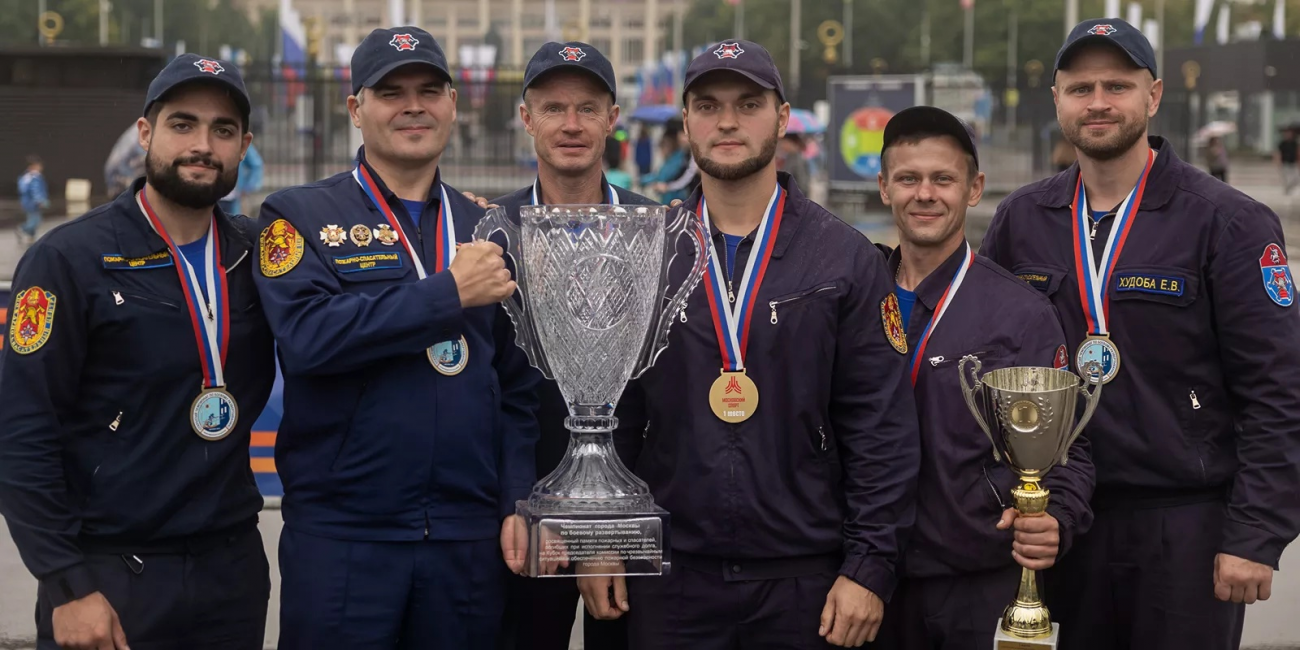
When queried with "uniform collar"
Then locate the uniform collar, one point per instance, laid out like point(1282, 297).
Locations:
point(135, 238)
point(392, 199)
point(1166, 174)
point(605, 187)
point(795, 205)
point(932, 287)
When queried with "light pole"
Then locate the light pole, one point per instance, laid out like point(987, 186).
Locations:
point(796, 15)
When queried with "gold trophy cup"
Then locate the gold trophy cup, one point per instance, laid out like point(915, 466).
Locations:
point(1033, 410)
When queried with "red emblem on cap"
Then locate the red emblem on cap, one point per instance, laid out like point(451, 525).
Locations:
point(209, 66)
point(404, 42)
point(729, 51)
point(572, 53)
point(1102, 30)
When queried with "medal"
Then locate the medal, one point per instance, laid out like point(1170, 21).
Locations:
point(445, 252)
point(734, 396)
point(214, 413)
point(449, 357)
point(942, 308)
point(1094, 279)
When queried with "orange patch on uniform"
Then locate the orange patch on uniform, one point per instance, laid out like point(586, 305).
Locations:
point(263, 439)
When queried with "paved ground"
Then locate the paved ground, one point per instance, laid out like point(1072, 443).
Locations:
point(1268, 625)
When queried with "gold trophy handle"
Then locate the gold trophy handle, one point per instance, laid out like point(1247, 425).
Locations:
point(970, 385)
point(1089, 369)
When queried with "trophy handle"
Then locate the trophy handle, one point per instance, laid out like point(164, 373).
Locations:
point(688, 223)
point(971, 386)
point(498, 221)
point(1087, 371)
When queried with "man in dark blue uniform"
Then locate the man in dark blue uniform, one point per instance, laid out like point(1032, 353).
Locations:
point(1179, 285)
point(962, 563)
point(410, 415)
point(137, 360)
point(569, 109)
point(789, 509)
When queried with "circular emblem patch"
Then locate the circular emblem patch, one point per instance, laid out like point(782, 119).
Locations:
point(449, 357)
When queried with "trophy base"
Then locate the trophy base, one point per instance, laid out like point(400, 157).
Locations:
point(1004, 641)
point(567, 545)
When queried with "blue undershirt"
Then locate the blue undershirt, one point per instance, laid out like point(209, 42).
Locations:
point(193, 253)
point(415, 209)
point(733, 242)
point(906, 299)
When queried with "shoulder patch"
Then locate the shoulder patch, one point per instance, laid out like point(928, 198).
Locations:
point(32, 320)
point(1061, 360)
point(1277, 275)
point(281, 248)
point(891, 318)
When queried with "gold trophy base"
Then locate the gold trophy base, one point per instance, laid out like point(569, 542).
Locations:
point(1004, 641)
point(1026, 623)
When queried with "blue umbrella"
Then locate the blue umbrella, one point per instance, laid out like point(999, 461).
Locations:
point(656, 113)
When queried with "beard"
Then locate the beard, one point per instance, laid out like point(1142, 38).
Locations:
point(1111, 147)
point(166, 179)
point(743, 169)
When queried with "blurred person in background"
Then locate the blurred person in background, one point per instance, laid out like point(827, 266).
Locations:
point(644, 151)
point(1285, 158)
point(34, 197)
point(789, 159)
point(1216, 158)
point(250, 180)
point(614, 173)
point(675, 166)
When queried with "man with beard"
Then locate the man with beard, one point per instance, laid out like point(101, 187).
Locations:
point(963, 561)
point(137, 360)
point(1179, 286)
point(787, 511)
point(410, 414)
point(569, 108)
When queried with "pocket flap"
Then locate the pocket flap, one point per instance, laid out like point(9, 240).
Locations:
point(1169, 285)
point(370, 265)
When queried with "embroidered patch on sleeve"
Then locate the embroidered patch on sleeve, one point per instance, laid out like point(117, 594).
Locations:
point(891, 318)
point(32, 320)
point(281, 248)
point(1277, 275)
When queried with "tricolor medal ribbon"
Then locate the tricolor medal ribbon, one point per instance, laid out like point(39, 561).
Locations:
point(447, 357)
point(941, 308)
point(1093, 279)
point(214, 413)
point(734, 396)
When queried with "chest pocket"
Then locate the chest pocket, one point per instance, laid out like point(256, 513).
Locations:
point(1162, 284)
point(1046, 279)
point(357, 270)
point(799, 300)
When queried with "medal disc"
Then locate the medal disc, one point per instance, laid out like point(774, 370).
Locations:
point(1100, 350)
point(449, 357)
point(214, 414)
point(733, 397)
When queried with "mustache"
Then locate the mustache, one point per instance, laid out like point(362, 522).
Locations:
point(207, 161)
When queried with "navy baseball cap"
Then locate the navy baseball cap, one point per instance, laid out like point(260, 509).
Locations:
point(192, 68)
point(746, 58)
point(1114, 31)
point(385, 50)
point(928, 120)
point(575, 55)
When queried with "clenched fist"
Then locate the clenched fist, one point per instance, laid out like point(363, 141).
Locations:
point(481, 274)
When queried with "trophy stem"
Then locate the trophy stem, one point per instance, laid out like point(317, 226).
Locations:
point(1027, 617)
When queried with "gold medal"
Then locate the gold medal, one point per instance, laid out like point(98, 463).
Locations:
point(734, 397)
point(449, 357)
